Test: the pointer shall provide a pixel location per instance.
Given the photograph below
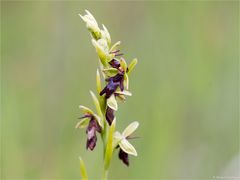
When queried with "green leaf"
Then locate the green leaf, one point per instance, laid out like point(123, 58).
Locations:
point(127, 147)
point(130, 129)
point(98, 108)
point(98, 79)
point(109, 146)
point(83, 170)
point(110, 71)
point(126, 81)
point(132, 65)
point(83, 123)
point(115, 46)
point(112, 103)
point(86, 110)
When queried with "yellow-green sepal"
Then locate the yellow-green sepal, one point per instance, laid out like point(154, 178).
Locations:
point(98, 108)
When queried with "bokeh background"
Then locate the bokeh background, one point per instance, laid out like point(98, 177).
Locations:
point(185, 88)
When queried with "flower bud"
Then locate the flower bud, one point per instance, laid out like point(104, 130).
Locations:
point(91, 24)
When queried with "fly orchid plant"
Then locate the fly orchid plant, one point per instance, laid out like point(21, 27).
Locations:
point(115, 72)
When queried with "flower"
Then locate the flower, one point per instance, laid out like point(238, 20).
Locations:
point(121, 141)
point(92, 122)
point(113, 83)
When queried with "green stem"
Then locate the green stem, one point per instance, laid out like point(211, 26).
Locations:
point(105, 174)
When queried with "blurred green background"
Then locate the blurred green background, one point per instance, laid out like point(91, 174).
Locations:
point(185, 88)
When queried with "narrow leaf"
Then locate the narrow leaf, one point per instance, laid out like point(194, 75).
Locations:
point(83, 170)
point(132, 65)
point(130, 129)
point(127, 147)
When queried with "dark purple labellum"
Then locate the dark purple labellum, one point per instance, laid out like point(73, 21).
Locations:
point(91, 133)
point(124, 157)
point(109, 115)
point(109, 89)
point(113, 83)
point(114, 63)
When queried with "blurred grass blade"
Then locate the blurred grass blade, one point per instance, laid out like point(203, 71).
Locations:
point(132, 65)
point(109, 147)
point(83, 170)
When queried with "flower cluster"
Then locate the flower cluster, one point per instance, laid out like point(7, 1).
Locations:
point(115, 72)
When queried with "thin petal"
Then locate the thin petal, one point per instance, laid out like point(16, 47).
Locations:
point(127, 147)
point(115, 46)
point(130, 129)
